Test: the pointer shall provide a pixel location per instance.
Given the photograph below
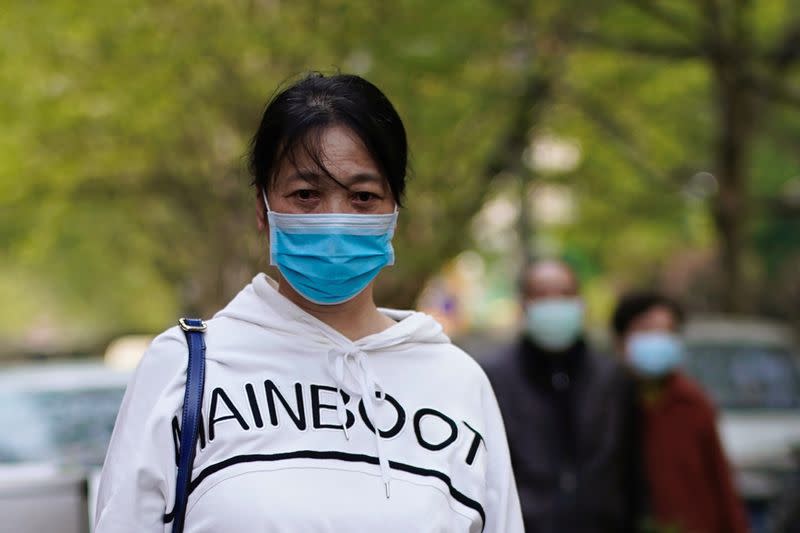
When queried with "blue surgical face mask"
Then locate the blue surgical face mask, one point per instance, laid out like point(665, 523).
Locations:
point(655, 354)
point(554, 323)
point(330, 258)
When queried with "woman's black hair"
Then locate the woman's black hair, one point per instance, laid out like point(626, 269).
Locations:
point(297, 116)
point(634, 304)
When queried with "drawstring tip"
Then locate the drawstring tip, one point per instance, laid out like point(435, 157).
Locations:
point(346, 433)
point(386, 484)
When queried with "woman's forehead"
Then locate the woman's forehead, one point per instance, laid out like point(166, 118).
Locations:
point(658, 317)
point(334, 153)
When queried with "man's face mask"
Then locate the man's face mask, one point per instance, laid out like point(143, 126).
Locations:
point(554, 323)
point(655, 354)
point(330, 258)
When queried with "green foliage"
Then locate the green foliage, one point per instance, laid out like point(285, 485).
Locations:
point(642, 97)
point(124, 199)
point(123, 190)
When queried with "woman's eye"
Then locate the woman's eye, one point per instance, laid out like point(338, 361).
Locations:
point(304, 194)
point(365, 196)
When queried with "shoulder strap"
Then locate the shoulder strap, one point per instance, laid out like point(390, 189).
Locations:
point(193, 328)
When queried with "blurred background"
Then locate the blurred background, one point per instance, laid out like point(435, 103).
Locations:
point(647, 142)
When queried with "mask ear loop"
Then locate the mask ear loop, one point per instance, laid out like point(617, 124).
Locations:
point(266, 202)
point(269, 211)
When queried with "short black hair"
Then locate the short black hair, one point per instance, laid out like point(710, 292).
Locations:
point(298, 115)
point(634, 304)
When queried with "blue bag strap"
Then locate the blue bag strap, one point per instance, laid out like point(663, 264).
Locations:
point(193, 328)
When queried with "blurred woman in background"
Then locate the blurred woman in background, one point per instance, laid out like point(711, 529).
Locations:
point(690, 485)
point(321, 412)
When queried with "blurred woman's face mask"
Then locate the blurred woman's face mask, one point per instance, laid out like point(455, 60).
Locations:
point(330, 258)
point(655, 354)
point(554, 323)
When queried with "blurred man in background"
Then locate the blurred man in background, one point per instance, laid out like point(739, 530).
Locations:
point(569, 415)
point(690, 485)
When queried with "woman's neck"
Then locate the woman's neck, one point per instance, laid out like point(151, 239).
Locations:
point(652, 389)
point(355, 319)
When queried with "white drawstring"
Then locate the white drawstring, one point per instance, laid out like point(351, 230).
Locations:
point(350, 368)
point(338, 374)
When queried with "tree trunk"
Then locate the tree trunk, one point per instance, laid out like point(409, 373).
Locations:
point(734, 139)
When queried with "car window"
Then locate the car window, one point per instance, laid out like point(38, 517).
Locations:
point(746, 377)
point(69, 427)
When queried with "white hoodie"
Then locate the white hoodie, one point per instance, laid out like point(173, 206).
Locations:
point(273, 455)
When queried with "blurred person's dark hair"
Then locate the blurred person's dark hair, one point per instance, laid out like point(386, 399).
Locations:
point(636, 303)
point(296, 118)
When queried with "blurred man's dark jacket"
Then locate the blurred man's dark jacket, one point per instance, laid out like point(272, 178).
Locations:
point(572, 427)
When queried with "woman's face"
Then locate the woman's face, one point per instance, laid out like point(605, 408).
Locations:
point(301, 187)
point(659, 319)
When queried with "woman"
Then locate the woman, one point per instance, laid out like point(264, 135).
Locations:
point(690, 485)
point(303, 369)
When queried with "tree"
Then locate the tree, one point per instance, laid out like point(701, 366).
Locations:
point(126, 125)
point(748, 72)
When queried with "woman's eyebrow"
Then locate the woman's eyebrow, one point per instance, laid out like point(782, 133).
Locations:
point(305, 175)
point(364, 177)
point(315, 178)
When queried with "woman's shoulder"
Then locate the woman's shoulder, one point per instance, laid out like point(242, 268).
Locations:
point(164, 359)
point(419, 334)
point(458, 362)
point(689, 391)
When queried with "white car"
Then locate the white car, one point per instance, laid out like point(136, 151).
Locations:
point(750, 369)
point(55, 424)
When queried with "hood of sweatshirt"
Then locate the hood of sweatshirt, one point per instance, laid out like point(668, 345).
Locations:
point(261, 304)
